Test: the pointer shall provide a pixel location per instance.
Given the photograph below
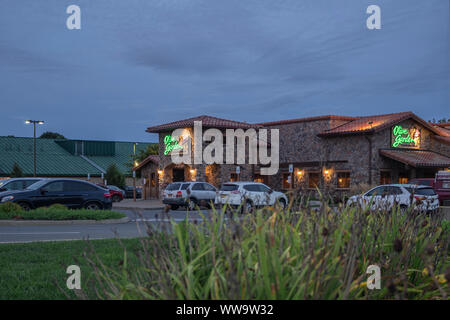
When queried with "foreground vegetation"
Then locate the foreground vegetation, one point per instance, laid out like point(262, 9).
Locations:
point(38, 270)
point(297, 254)
point(12, 211)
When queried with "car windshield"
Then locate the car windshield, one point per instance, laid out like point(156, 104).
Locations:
point(229, 187)
point(173, 186)
point(3, 182)
point(422, 191)
point(37, 185)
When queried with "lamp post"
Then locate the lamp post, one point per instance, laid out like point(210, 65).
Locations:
point(134, 172)
point(34, 122)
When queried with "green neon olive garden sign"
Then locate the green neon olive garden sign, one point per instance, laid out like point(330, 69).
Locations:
point(170, 144)
point(404, 137)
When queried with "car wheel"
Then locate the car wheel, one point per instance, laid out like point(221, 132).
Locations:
point(403, 210)
point(116, 198)
point(281, 204)
point(25, 206)
point(191, 204)
point(247, 207)
point(173, 207)
point(92, 206)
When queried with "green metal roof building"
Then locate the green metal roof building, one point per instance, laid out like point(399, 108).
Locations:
point(65, 158)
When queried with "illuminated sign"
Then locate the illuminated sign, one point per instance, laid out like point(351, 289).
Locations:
point(406, 138)
point(171, 144)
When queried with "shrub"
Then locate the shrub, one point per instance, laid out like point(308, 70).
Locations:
point(8, 207)
point(57, 207)
point(292, 254)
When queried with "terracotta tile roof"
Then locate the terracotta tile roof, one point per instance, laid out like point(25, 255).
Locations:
point(417, 158)
point(318, 118)
point(207, 122)
point(443, 125)
point(151, 158)
point(370, 124)
point(442, 139)
point(443, 131)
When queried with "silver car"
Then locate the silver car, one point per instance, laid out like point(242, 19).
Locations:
point(189, 194)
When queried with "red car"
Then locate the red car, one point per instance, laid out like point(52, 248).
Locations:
point(440, 184)
point(117, 194)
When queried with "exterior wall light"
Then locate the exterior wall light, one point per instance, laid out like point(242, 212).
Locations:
point(160, 172)
point(300, 172)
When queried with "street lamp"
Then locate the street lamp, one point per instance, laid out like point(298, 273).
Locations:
point(34, 122)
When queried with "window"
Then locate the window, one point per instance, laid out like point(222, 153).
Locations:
point(385, 177)
point(263, 188)
point(209, 187)
point(15, 185)
point(313, 179)
point(375, 192)
point(184, 186)
point(422, 191)
point(395, 190)
point(343, 180)
point(286, 181)
point(402, 179)
point(173, 186)
point(29, 182)
point(252, 187)
point(74, 186)
point(229, 187)
point(234, 177)
point(54, 187)
point(198, 187)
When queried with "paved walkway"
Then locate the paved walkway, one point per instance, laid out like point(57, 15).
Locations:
point(129, 204)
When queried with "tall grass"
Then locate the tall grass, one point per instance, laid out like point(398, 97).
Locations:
point(298, 253)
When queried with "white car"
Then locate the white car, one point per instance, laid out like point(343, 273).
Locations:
point(386, 196)
point(249, 195)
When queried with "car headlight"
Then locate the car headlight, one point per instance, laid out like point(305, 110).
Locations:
point(7, 198)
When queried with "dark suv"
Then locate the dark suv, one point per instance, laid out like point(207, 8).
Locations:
point(69, 192)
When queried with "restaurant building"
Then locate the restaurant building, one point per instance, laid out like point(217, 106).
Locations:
point(331, 152)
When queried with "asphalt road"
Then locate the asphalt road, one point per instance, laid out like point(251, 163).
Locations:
point(135, 228)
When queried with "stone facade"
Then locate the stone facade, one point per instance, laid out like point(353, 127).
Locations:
point(328, 158)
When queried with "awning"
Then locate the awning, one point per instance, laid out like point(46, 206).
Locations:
point(418, 158)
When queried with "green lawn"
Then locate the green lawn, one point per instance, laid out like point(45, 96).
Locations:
point(56, 212)
point(31, 270)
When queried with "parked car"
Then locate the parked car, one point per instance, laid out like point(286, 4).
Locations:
point(117, 194)
point(69, 192)
point(189, 194)
point(385, 197)
point(440, 184)
point(17, 183)
point(250, 195)
point(129, 192)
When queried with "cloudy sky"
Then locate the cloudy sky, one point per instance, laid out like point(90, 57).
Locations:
point(137, 63)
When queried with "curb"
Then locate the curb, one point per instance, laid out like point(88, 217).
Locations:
point(136, 208)
point(61, 222)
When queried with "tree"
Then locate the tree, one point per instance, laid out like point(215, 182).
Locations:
point(16, 171)
point(52, 135)
point(114, 177)
point(142, 154)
